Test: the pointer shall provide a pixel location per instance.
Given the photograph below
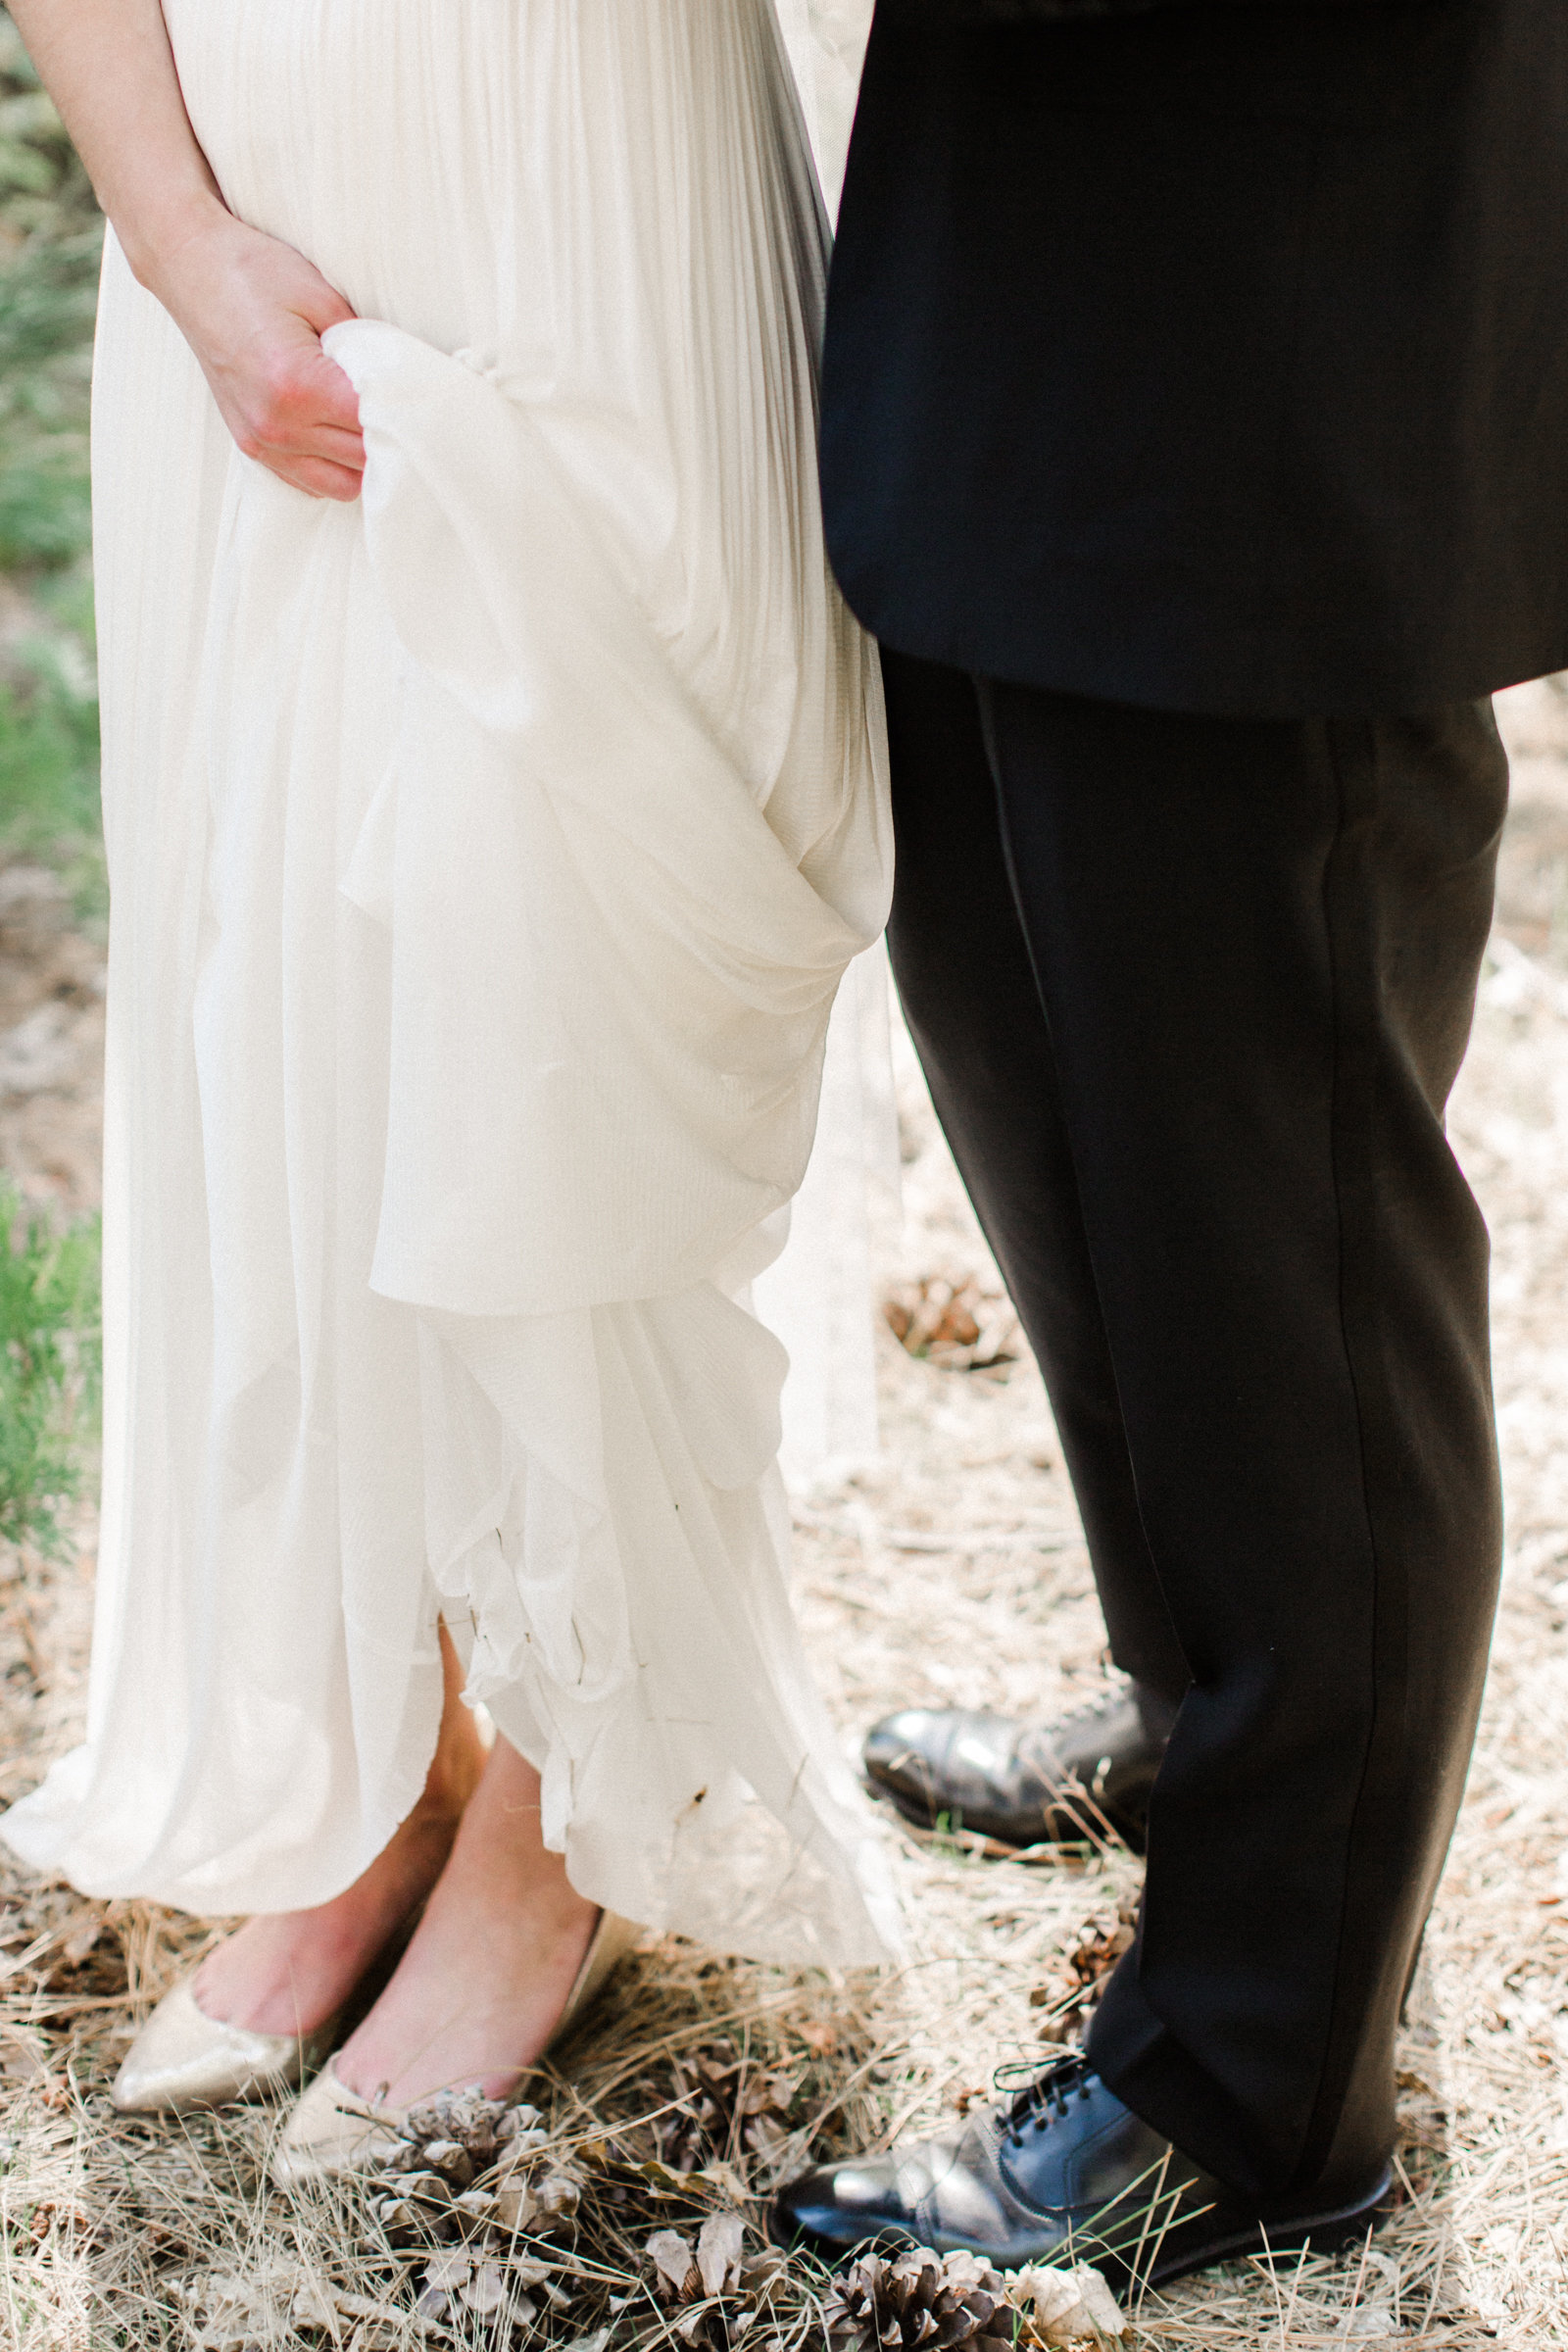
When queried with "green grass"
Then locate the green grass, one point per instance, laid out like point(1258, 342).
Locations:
point(50, 241)
point(50, 1366)
point(48, 291)
point(51, 238)
point(49, 804)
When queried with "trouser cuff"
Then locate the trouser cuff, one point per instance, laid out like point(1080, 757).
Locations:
point(1133, 2051)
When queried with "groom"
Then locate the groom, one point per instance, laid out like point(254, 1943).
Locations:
point(1196, 440)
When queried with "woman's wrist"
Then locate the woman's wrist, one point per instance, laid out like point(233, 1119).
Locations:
point(159, 235)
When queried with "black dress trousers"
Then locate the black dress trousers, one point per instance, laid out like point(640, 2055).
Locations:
point(1192, 992)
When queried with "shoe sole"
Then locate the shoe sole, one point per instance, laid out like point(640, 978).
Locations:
point(918, 1813)
point(1327, 2231)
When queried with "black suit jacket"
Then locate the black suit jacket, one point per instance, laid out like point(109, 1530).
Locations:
point(1024, 12)
point(1213, 358)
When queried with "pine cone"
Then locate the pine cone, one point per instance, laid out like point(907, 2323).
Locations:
point(465, 2164)
point(478, 2127)
point(716, 2275)
point(1103, 1947)
point(1077, 1982)
point(920, 2299)
point(953, 1321)
point(461, 2136)
point(728, 2106)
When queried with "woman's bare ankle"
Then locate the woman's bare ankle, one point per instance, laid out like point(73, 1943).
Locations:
point(458, 1766)
point(481, 1989)
point(291, 1972)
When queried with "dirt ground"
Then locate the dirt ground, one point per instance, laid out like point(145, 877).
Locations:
point(950, 1570)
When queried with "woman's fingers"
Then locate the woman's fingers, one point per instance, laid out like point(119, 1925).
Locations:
point(316, 476)
point(287, 403)
point(298, 383)
point(339, 441)
point(318, 471)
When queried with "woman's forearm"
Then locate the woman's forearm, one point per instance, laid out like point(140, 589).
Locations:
point(109, 68)
point(252, 308)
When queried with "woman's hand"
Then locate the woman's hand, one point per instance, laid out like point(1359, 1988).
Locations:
point(254, 312)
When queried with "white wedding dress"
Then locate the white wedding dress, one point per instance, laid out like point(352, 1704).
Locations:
point(485, 858)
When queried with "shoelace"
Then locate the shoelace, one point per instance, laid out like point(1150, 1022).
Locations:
point(1047, 2095)
point(1038, 1742)
point(1102, 1706)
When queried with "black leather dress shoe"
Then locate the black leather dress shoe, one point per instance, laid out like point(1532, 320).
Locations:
point(1065, 2171)
point(1079, 1779)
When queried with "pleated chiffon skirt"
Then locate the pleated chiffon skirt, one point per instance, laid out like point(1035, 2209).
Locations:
point(484, 859)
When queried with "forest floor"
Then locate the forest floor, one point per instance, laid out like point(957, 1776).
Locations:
point(949, 1570)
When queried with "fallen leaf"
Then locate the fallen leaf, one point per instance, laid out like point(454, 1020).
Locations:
point(719, 2251)
point(670, 2252)
point(1064, 2307)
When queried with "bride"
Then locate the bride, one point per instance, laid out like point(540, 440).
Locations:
point(494, 796)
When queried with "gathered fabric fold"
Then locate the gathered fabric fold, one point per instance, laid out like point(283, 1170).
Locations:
point(559, 807)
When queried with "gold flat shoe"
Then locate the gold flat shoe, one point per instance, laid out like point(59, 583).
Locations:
point(182, 2059)
point(333, 2132)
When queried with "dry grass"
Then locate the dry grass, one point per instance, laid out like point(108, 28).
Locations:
point(952, 1570)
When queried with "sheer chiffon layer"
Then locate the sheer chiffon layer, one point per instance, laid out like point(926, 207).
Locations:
point(485, 858)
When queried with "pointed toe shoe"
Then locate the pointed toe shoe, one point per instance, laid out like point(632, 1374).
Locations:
point(183, 2059)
